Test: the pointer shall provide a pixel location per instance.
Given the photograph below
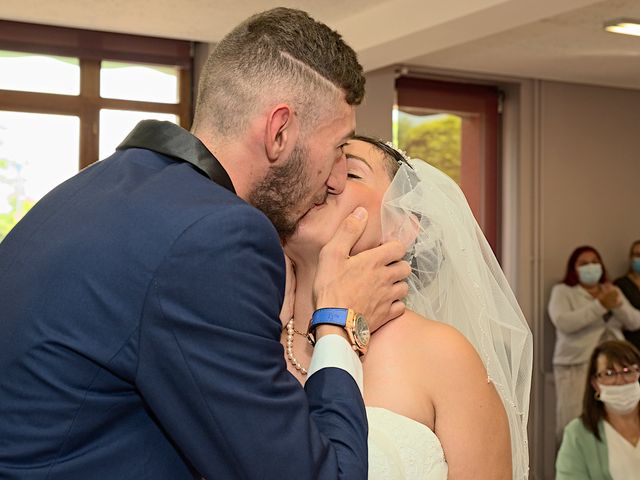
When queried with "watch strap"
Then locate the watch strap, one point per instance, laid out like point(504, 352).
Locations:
point(329, 316)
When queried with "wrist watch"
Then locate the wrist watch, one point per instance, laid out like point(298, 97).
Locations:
point(354, 323)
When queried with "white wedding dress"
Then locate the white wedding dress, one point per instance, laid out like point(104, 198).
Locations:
point(402, 449)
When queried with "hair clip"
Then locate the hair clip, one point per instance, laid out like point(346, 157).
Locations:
point(401, 152)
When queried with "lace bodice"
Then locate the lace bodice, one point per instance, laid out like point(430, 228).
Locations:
point(401, 448)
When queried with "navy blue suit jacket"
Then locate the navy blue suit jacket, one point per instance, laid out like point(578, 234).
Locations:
point(139, 335)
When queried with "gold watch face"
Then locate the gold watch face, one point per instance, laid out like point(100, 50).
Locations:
point(361, 330)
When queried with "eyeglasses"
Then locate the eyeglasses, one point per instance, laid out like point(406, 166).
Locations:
point(629, 374)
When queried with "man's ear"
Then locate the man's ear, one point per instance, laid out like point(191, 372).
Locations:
point(280, 131)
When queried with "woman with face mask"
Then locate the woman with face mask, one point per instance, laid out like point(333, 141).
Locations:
point(603, 442)
point(630, 286)
point(586, 309)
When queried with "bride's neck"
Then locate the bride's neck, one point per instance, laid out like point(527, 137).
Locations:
point(303, 308)
point(302, 311)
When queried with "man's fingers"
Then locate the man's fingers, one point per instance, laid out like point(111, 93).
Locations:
point(348, 233)
point(388, 252)
point(400, 290)
point(396, 309)
point(399, 270)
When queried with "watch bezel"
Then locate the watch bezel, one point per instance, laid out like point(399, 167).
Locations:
point(359, 344)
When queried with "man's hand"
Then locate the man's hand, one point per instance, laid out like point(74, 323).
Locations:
point(371, 283)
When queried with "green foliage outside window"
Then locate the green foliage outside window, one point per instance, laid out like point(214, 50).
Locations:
point(434, 138)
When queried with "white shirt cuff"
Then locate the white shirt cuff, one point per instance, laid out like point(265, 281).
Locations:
point(334, 351)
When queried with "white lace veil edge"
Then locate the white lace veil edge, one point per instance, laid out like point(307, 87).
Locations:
point(457, 280)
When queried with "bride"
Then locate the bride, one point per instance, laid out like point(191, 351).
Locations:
point(447, 383)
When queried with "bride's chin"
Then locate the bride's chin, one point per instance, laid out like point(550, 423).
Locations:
point(304, 240)
point(309, 214)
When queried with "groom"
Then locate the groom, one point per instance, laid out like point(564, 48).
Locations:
point(140, 299)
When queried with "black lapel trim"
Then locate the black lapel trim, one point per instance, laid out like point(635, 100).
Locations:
point(169, 139)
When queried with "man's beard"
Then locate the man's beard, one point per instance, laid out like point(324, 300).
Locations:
point(282, 191)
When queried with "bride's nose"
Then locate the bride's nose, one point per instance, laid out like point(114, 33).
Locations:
point(338, 176)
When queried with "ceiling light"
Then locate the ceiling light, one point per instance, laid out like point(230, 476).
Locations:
point(623, 25)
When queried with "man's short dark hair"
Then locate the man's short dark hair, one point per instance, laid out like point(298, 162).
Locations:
point(281, 53)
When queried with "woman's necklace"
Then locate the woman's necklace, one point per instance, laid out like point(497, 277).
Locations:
point(290, 356)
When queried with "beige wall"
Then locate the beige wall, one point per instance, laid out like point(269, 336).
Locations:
point(373, 117)
point(591, 172)
point(590, 169)
point(201, 52)
point(571, 175)
point(590, 164)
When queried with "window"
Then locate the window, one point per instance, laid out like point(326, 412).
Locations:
point(455, 127)
point(23, 71)
point(68, 97)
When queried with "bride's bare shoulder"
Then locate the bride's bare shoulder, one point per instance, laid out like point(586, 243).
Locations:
point(415, 364)
point(414, 328)
point(426, 341)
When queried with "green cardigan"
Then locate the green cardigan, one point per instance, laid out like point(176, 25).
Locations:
point(581, 455)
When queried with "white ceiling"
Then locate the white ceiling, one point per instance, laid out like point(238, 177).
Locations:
point(548, 39)
point(569, 47)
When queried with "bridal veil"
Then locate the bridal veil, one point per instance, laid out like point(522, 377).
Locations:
point(457, 280)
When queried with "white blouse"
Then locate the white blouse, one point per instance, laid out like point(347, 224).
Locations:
point(580, 323)
point(624, 458)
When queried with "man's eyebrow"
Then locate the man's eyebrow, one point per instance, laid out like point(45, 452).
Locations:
point(355, 157)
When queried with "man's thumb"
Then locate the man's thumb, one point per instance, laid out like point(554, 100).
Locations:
point(360, 213)
point(350, 231)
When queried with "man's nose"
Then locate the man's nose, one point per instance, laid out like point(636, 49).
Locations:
point(338, 176)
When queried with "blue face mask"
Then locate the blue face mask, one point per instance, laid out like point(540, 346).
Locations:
point(635, 264)
point(589, 274)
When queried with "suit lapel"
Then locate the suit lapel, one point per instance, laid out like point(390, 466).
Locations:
point(169, 139)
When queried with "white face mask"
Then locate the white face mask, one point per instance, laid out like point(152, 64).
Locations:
point(589, 274)
point(620, 399)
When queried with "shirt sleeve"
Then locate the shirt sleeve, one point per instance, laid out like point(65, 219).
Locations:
point(571, 463)
point(568, 318)
point(626, 313)
point(335, 351)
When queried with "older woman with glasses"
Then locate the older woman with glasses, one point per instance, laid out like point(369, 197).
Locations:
point(603, 443)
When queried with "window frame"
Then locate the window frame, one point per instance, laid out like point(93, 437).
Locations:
point(480, 107)
point(91, 47)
